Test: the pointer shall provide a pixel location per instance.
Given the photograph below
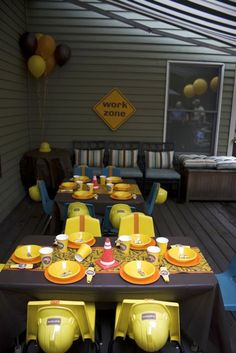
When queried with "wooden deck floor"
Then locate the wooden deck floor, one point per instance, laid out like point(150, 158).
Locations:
point(211, 224)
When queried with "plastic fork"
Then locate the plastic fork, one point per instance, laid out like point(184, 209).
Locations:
point(66, 273)
point(28, 254)
point(139, 269)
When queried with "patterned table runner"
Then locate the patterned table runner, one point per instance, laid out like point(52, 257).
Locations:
point(202, 267)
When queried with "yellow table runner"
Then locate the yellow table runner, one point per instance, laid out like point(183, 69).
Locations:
point(202, 267)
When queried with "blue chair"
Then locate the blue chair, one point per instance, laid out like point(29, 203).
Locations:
point(151, 199)
point(83, 170)
point(227, 283)
point(107, 227)
point(110, 171)
point(47, 203)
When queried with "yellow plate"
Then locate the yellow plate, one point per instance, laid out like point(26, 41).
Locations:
point(114, 179)
point(140, 240)
point(187, 254)
point(67, 280)
point(83, 193)
point(121, 195)
point(27, 252)
point(146, 269)
point(122, 187)
point(68, 185)
point(84, 178)
point(80, 237)
point(64, 269)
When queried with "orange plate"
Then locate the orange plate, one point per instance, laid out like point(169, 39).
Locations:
point(132, 280)
point(74, 279)
point(122, 187)
point(134, 247)
point(121, 195)
point(82, 197)
point(76, 246)
point(21, 261)
point(114, 179)
point(68, 185)
point(172, 261)
point(84, 178)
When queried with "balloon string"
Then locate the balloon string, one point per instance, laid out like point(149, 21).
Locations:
point(39, 106)
point(45, 90)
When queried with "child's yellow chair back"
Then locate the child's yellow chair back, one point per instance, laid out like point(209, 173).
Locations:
point(83, 223)
point(137, 223)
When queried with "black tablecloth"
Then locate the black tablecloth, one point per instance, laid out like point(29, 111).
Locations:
point(201, 308)
point(100, 203)
point(52, 167)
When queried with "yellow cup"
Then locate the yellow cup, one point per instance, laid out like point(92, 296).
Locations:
point(153, 254)
point(79, 184)
point(46, 256)
point(83, 251)
point(103, 179)
point(89, 187)
point(62, 242)
point(109, 188)
point(162, 242)
point(124, 242)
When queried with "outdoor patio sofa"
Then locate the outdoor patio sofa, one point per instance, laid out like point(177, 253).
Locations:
point(142, 161)
point(207, 178)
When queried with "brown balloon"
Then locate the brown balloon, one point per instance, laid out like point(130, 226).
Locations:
point(28, 44)
point(62, 54)
point(46, 46)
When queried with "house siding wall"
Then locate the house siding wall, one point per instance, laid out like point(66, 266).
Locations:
point(106, 53)
point(14, 134)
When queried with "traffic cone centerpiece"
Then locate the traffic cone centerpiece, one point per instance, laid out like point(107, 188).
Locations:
point(107, 260)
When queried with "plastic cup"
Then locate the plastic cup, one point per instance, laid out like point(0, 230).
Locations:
point(162, 242)
point(89, 187)
point(103, 179)
point(83, 251)
point(124, 242)
point(79, 184)
point(109, 187)
point(62, 242)
point(153, 255)
point(46, 256)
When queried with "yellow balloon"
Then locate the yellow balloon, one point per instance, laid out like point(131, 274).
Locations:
point(34, 193)
point(200, 86)
point(189, 91)
point(36, 65)
point(214, 83)
point(161, 196)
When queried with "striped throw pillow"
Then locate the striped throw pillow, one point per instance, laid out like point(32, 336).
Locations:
point(123, 158)
point(91, 158)
point(162, 160)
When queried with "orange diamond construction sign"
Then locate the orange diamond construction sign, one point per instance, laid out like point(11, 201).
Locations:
point(114, 108)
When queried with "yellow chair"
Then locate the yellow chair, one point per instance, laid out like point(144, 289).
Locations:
point(149, 322)
point(137, 223)
point(83, 223)
point(56, 324)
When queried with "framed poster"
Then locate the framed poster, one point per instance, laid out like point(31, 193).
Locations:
point(193, 104)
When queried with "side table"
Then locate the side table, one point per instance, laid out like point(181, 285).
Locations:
point(52, 167)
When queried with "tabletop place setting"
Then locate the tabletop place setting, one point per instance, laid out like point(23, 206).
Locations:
point(138, 258)
point(83, 188)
